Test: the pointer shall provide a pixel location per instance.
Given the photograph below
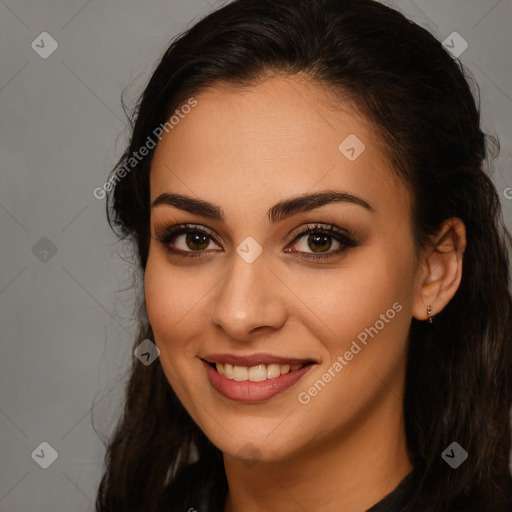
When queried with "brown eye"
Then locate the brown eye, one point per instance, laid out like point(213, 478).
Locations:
point(319, 242)
point(197, 241)
point(187, 240)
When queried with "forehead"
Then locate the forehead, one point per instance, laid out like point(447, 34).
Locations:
point(282, 137)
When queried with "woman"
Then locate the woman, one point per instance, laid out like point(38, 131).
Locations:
point(325, 273)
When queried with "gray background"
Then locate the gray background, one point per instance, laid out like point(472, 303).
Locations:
point(67, 327)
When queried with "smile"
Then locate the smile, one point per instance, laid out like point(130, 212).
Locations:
point(255, 383)
point(255, 373)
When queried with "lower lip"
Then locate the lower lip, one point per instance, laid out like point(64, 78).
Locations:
point(248, 391)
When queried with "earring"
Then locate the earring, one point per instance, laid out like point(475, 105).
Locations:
point(429, 312)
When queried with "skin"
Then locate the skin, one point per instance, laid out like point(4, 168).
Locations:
point(245, 150)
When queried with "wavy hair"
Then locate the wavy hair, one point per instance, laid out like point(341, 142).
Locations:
point(424, 104)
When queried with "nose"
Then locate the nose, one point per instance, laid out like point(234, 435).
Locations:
point(249, 300)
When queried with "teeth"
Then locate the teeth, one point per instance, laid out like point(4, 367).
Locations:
point(255, 373)
point(274, 370)
point(240, 373)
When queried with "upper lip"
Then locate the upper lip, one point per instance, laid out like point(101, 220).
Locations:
point(254, 359)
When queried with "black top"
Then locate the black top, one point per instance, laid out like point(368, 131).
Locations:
point(192, 491)
point(401, 499)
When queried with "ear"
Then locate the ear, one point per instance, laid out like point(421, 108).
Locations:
point(440, 270)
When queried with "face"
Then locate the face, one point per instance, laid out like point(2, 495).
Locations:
point(324, 280)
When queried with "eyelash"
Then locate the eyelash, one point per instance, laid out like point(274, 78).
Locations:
point(346, 238)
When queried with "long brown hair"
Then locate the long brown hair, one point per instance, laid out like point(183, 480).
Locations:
point(425, 106)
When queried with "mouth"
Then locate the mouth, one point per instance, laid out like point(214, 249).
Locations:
point(255, 373)
point(250, 382)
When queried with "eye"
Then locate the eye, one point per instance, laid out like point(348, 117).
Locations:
point(186, 240)
point(315, 242)
point(312, 242)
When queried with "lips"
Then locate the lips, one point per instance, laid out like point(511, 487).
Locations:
point(251, 391)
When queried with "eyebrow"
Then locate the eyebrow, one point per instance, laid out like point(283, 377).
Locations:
point(276, 213)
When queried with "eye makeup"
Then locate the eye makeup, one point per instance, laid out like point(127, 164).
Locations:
point(202, 238)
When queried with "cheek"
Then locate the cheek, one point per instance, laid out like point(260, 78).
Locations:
point(171, 304)
point(176, 301)
point(158, 295)
point(168, 299)
point(362, 314)
point(364, 352)
point(343, 302)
